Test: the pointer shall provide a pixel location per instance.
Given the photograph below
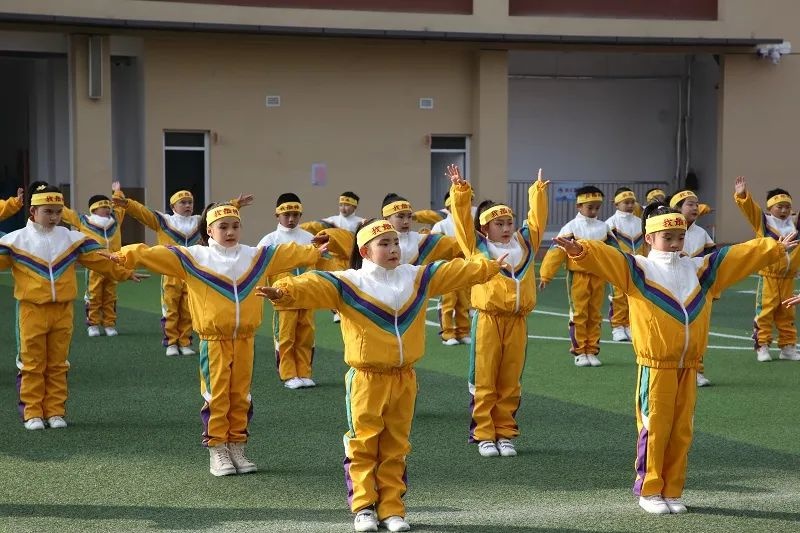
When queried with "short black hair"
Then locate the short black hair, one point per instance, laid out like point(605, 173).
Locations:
point(483, 206)
point(355, 256)
point(392, 197)
point(776, 192)
point(351, 194)
point(287, 197)
point(653, 189)
point(622, 189)
point(97, 198)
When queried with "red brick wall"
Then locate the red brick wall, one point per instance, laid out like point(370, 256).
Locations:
point(644, 9)
point(460, 7)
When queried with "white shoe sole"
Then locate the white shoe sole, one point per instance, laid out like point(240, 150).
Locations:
point(223, 472)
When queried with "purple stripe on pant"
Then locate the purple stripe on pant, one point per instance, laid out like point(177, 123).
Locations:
point(205, 416)
point(641, 461)
point(472, 423)
point(165, 340)
point(572, 338)
point(20, 404)
point(348, 481)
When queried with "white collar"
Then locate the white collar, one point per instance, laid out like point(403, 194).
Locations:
point(38, 228)
point(373, 268)
point(625, 214)
point(658, 256)
point(581, 216)
point(222, 250)
point(284, 229)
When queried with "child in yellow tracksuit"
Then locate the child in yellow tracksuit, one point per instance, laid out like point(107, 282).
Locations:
point(292, 328)
point(499, 326)
point(103, 225)
point(775, 282)
point(670, 296)
point(220, 279)
point(42, 258)
point(181, 228)
point(382, 304)
point(454, 306)
point(627, 229)
point(585, 291)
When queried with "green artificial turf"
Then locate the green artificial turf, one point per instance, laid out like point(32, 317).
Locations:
point(131, 458)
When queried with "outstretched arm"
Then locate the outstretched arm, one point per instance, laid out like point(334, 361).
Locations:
point(730, 264)
point(460, 273)
point(312, 290)
point(751, 211)
point(600, 259)
point(158, 259)
point(136, 210)
point(10, 207)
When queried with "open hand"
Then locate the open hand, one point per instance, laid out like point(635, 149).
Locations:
point(272, 293)
point(539, 179)
point(453, 173)
point(542, 285)
point(794, 300)
point(116, 187)
point(137, 277)
point(502, 261)
point(21, 194)
point(570, 246)
point(789, 241)
point(320, 238)
point(245, 199)
point(740, 186)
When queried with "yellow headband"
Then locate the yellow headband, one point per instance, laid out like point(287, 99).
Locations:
point(664, 222)
point(221, 211)
point(47, 198)
point(778, 198)
point(373, 230)
point(349, 201)
point(180, 195)
point(655, 192)
point(101, 203)
point(589, 197)
point(494, 212)
point(679, 197)
point(289, 207)
point(624, 195)
point(395, 207)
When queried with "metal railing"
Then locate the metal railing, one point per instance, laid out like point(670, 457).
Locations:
point(562, 211)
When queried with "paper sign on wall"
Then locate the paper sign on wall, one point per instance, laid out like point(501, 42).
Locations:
point(564, 191)
point(319, 174)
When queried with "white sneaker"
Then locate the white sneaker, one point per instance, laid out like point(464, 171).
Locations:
point(336, 318)
point(628, 333)
point(111, 332)
point(654, 504)
point(487, 449)
point(396, 523)
point(450, 342)
point(308, 382)
point(56, 422)
point(187, 350)
point(789, 353)
point(34, 424)
point(240, 461)
point(465, 340)
point(221, 464)
point(582, 360)
point(702, 381)
point(506, 448)
point(365, 520)
point(762, 354)
point(293, 383)
point(172, 350)
point(93, 331)
point(676, 506)
point(618, 334)
point(594, 361)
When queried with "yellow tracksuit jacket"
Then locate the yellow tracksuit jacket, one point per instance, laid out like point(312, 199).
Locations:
point(585, 291)
point(171, 230)
point(454, 306)
point(499, 327)
point(43, 266)
point(776, 281)
point(627, 229)
point(383, 327)
point(101, 292)
point(670, 297)
point(226, 314)
point(10, 207)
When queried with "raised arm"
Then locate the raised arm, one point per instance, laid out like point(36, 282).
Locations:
point(751, 211)
point(159, 259)
point(459, 273)
point(71, 217)
point(340, 241)
point(602, 260)
point(10, 207)
point(138, 211)
point(461, 211)
point(537, 210)
point(427, 216)
point(312, 290)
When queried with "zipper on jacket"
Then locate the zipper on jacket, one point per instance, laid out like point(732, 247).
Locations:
point(396, 310)
point(685, 316)
point(235, 284)
point(516, 296)
point(50, 267)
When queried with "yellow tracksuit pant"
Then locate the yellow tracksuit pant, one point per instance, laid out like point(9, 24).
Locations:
point(497, 357)
point(226, 371)
point(176, 321)
point(44, 332)
point(101, 300)
point(454, 314)
point(618, 310)
point(665, 400)
point(585, 293)
point(293, 333)
point(769, 311)
point(380, 408)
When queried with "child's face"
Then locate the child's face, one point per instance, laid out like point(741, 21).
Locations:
point(781, 210)
point(670, 240)
point(225, 231)
point(289, 219)
point(627, 206)
point(183, 207)
point(690, 209)
point(589, 209)
point(499, 229)
point(102, 212)
point(383, 251)
point(47, 216)
point(346, 209)
point(401, 221)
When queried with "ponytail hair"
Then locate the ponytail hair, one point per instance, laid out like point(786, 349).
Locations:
point(355, 256)
point(653, 209)
point(483, 206)
point(202, 226)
